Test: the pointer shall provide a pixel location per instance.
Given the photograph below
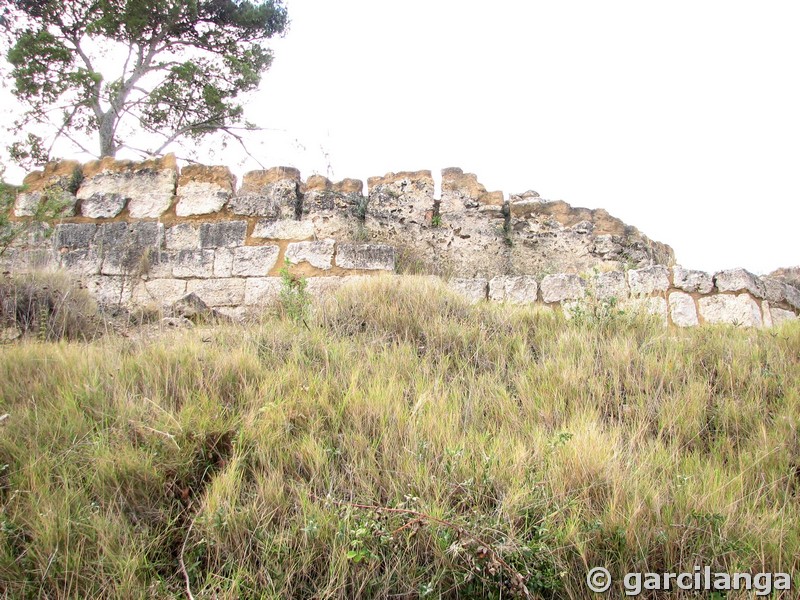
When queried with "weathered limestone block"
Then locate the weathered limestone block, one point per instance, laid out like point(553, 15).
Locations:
point(109, 291)
point(203, 190)
point(218, 292)
point(223, 262)
point(461, 191)
point(607, 246)
point(193, 264)
point(317, 254)
point(692, 281)
point(57, 182)
point(655, 306)
point(777, 291)
point(103, 205)
point(223, 234)
point(727, 308)
point(33, 259)
point(404, 197)
point(148, 187)
point(74, 236)
point(739, 280)
point(365, 256)
point(650, 280)
point(780, 315)
point(284, 229)
point(605, 286)
point(520, 289)
point(334, 209)
point(473, 290)
point(274, 193)
point(183, 236)
point(261, 290)
point(126, 247)
point(83, 261)
point(561, 287)
point(163, 292)
point(254, 261)
point(682, 309)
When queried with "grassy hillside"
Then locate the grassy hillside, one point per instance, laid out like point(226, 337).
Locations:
point(398, 444)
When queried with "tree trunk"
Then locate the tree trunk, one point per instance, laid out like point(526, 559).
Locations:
point(106, 131)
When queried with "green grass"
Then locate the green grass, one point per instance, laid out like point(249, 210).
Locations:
point(263, 460)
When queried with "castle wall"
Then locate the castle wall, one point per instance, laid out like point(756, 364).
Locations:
point(149, 233)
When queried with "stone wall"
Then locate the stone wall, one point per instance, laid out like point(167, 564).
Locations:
point(149, 233)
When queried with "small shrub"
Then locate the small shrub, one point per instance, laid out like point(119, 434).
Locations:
point(49, 306)
point(295, 301)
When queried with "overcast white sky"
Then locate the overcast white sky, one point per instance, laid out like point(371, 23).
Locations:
point(682, 118)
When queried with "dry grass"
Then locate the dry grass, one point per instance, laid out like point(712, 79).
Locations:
point(560, 445)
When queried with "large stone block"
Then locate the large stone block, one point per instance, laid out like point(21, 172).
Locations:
point(317, 254)
point(109, 291)
point(461, 191)
point(473, 290)
point(273, 193)
point(520, 289)
point(562, 287)
point(682, 309)
point(193, 264)
point(148, 187)
point(57, 184)
point(778, 292)
point(261, 290)
point(740, 280)
point(203, 190)
point(84, 261)
point(726, 308)
point(126, 247)
point(608, 286)
point(365, 256)
point(74, 236)
point(223, 234)
point(780, 315)
point(692, 281)
point(223, 262)
point(218, 292)
point(163, 292)
point(404, 197)
point(254, 261)
point(284, 229)
point(183, 236)
point(647, 281)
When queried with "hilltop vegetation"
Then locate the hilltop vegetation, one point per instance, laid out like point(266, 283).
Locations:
point(398, 443)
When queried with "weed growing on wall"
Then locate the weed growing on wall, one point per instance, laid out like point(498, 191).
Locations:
point(294, 298)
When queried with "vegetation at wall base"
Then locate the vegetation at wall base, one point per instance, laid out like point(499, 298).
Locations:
point(404, 444)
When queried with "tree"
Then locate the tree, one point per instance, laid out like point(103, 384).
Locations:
point(171, 68)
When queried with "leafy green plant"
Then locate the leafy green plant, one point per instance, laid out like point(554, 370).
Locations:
point(436, 221)
point(294, 298)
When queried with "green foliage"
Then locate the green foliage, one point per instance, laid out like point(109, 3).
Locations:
point(182, 65)
point(295, 301)
point(436, 221)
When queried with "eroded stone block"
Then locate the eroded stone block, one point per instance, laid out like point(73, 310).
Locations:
point(223, 262)
point(561, 287)
point(254, 261)
point(218, 292)
point(692, 281)
point(58, 182)
point(203, 190)
point(284, 229)
point(183, 236)
point(740, 280)
point(682, 309)
point(261, 290)
point(317, 254)
point(649, 280)
point(163, 292)
point(365, 256)
point(273, 193)
point(224, 234)
point(193, 263)
point(780, 315)
point(610, 285)
point(126, 247)
point(727, 308)
point(74, 236)
point(473, 290)
point(520, 289)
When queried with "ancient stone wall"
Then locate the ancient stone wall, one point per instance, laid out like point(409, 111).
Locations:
point(149, 233)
